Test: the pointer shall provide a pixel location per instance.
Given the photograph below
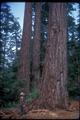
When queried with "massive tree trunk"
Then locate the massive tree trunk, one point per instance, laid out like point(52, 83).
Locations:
point(36, 45)
point(54, 77)
point(24, 68)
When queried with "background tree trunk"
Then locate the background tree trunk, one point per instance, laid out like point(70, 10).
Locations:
point(54, 78)
point(24, 69)
point(36, 45)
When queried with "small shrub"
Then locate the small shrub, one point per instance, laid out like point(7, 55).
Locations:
point(33, 94)
point(10, 105)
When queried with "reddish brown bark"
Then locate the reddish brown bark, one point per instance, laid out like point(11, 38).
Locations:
point(36, 45)
point(24, 69)
point(54, 78)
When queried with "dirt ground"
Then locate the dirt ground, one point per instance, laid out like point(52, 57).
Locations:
point(46, 114)
point(72, 113)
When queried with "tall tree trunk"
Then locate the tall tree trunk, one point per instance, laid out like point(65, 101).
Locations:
point(36, 45)
point(24, 69)
point(54, 77)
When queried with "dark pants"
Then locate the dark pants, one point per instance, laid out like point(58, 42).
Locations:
point(22, 108)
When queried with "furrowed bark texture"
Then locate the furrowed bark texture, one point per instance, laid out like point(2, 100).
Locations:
point(24, 69)
point(54, 78)
point(36, 45)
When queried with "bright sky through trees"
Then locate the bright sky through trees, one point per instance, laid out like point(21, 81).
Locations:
point(18, 11)
point(75, 13)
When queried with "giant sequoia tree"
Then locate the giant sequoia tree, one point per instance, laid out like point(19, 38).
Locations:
point(36, 45)
point(54, 78)
point(24, 69)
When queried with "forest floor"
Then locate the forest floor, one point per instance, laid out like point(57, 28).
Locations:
point(13, 113)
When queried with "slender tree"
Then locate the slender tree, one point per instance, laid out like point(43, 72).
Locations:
point(54, 77)
point(36, 45)
point(24, 69)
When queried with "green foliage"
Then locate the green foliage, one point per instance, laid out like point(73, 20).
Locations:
point(10, 33)
point(10, 90)
point(11, 105)
point(74, 71)
point(73, 45)
point(33, 94)
point(73, 89)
